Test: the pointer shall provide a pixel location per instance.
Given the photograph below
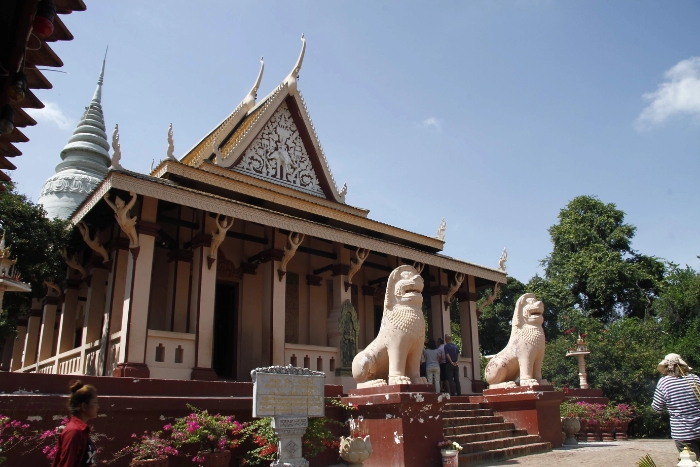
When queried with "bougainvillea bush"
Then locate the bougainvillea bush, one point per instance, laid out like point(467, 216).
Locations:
point(209, 433)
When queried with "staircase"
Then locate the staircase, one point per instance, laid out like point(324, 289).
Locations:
point(486, 437)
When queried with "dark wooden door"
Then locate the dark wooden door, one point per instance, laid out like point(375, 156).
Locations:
point(225, 330)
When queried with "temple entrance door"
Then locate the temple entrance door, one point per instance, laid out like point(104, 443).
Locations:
point(225, 330)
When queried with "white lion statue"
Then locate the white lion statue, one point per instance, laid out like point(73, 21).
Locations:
point(524, 353)
point(396, 351)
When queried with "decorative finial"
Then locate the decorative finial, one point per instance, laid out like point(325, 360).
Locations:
point(502, 261)
point(117, 155)
point(217, 152)
point(97, 97)
point(249, 101)
point(344, 190)
point(291, 80)
point(171, 143)
point(441, 230)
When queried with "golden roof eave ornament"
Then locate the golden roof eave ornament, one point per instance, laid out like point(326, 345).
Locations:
point(292, 78)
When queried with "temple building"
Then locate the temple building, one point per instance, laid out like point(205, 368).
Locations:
point(85, 161)
point(238, 255)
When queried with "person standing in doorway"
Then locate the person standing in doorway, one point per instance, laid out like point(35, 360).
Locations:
point(452, 367)
point(443, 365)
point(432, 366)
point(75, 449)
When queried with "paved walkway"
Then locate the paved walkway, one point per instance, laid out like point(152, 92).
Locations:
point(603, 454)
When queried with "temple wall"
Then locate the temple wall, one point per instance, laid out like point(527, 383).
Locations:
point(160, 291)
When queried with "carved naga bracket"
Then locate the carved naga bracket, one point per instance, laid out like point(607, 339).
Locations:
point(418, 267)
point(294, 239)
point(123, 216)
point(218, 237)
point(73, 263)
point(454, 287)
point(52, 286)
point(93, 243)
point(361, 255)
point(489, 300)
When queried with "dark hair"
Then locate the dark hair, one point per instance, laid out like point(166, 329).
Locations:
point(431, 344)
point(80, 394)
point(440, 341)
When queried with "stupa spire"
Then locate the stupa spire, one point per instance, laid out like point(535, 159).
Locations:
point(86, 160)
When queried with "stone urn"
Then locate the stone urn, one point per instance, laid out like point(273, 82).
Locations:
point(162, 462)
point(355, 451)
point(450, 457)
point(570, 426)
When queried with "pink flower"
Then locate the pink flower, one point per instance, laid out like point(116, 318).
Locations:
point(168, 427)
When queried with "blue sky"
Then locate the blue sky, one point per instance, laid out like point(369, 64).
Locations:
point(492, 115)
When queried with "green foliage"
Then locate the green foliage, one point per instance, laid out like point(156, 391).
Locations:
point(679, 303)
point(496, 318)
point(36, 243)
point(646, 461)
point(593, 259)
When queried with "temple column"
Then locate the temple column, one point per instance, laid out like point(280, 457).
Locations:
point(66, 327)
point(368, 299)
point(134, 330)
point(317, 311)
point(439, 317)
point(477, 384)
point(177, 305)
point(18, 347)
point(7, 349)
point(114, 302)
point(94, 314)
point(202, 306)
point(32, 340)
point(278, 288)
point(48, 326)
point(340, 295)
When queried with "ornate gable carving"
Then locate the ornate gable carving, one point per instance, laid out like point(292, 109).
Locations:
point(278, 155)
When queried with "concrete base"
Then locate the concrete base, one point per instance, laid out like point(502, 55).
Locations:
point(535, 409)
point(204, 374)
point(592, 396)
point(404, 423)
point(131, 370)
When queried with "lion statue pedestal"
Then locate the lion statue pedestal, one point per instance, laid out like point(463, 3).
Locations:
point(396, 407)
point(531, 404)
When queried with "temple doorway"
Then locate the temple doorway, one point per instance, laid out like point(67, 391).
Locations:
point(225, 330)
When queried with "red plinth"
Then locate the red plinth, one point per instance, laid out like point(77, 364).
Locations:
point(535, 409)
point(404, 423)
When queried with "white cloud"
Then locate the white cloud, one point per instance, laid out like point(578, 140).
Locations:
point(678, 95)
point(432, 122)
point(52, 113)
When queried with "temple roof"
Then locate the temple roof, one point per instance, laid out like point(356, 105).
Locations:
point(274, 140)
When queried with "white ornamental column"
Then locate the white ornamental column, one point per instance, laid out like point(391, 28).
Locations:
point(131, 361)
point(48, 324)
point(340, 295)
point(439, 326)
point(32, 341)
point(18, 348)
point(202, 307)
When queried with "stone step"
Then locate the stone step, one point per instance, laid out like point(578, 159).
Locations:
point(484, 457)
point(467, 438)
point(462, 421)
point(461, 406)
point(448, 413)
point(467, 429)
point(500, 443)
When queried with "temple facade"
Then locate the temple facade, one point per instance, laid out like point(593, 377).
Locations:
point(243, 253)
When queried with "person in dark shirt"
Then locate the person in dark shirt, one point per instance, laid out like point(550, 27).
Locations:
point(75, 449)
point(452, 367)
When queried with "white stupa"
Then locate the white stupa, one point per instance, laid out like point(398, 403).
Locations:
point(85, 161)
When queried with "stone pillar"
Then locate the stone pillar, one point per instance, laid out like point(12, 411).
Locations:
point(340, 295)
point(18, 347)
point(66, 328)
point(48, 326)
point(134, 330)
point(202, 307)
point(178, 289)
point(289, 432)
point(477, 384)
point(114, 301)
point(368, 299)
point(317, 310)
point(32, 341)
point(95, 305)
point(439, 316)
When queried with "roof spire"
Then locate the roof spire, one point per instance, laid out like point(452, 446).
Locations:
point(291, 79)
point(97, 97)
point(249, 101)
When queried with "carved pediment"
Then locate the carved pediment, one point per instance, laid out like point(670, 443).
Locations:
point(278, 154)
point(225, 269)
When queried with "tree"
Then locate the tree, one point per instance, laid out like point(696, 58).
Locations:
point(36, 243)
point(592, 257)
point(496, 318)
point(678, 304)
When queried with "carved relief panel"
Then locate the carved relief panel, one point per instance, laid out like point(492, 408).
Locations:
point(278, 155)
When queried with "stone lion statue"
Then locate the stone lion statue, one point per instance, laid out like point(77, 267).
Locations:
point(524, 353)
point(396, 351)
